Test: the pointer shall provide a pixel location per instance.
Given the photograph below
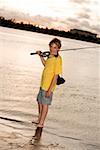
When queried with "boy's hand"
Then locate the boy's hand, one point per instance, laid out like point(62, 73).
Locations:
point(38, 52)
point(47, 94)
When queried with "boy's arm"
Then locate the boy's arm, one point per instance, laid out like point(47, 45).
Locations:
point(42, 59)
point(54, 80)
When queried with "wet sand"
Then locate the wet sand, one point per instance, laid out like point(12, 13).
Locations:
point(73, 121)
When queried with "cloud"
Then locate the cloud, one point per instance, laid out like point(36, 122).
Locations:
point(80, 1)
point(13, 14)
point(81, 24)
point(96, 28)
point(83, 15)
point(20, 16)
point(81, 21)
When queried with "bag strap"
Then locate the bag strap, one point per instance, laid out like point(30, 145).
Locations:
point(56, 63)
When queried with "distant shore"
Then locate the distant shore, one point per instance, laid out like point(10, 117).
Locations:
point(72, 34)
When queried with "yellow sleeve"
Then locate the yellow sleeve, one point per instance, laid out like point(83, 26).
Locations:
point(58, 66)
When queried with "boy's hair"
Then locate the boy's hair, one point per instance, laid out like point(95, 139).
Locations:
point(56, 41)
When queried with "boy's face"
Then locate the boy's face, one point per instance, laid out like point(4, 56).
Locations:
point(54, 48)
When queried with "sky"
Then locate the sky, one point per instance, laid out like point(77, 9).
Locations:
point(57, 14)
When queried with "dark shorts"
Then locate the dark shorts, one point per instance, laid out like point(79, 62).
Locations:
point(42, 99)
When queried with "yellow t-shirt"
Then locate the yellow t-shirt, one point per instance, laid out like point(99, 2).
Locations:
point(52, 67)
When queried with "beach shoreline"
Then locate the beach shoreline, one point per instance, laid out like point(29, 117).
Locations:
point(73, 121)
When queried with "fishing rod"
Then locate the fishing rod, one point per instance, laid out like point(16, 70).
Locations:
point(47, 53)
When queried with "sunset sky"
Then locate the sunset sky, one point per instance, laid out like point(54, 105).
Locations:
point(59, 14)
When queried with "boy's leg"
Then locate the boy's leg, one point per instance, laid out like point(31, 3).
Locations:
point(39, 113)
point(40, 125)
point(43, 115)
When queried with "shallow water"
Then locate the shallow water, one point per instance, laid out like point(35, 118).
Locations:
point(73, 121)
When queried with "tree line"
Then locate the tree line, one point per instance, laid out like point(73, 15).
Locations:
point(11, 23)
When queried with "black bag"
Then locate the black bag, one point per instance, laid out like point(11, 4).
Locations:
point(60, 80)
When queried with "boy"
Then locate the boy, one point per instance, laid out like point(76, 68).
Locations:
point(52, 68)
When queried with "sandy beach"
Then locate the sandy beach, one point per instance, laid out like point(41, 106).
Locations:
point(73, 121)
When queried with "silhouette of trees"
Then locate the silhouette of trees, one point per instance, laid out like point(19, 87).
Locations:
point(86, 36)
